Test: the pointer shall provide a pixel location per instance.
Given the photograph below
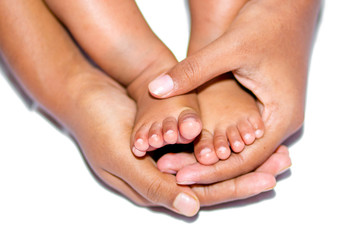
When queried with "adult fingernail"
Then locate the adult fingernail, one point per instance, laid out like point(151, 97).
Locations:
point(283, 170)
point(186, 204)
point(170, 171)
point(161, 85)
point(269, 189)
point(222, 149)
point(186, 182)
point(205, 152)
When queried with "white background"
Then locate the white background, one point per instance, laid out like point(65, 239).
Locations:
point(47, 192)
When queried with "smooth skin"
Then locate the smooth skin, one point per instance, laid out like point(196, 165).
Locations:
point(124, 47)
point(231, 118)
point(97, 112)
point(267, 47)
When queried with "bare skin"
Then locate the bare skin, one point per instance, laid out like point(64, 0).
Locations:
point(126, 40)
point(267, 47)
point(86, 102)
point(230, 115)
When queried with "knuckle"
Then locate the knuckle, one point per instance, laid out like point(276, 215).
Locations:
point(153, 190)
point(191, 70)
point(234, 190)
point(207, 195)
point(244, 165)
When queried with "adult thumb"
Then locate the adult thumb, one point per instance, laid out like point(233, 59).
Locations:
point(215, 59)
point(161, 189)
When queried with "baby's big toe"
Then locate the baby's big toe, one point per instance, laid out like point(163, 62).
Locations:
point(189, 124)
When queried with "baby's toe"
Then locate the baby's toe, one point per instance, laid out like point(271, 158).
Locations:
point(170, 131)
point(189, 124)
point(137, 152)
point(141, 138)
point(236, 143)
point(258, 125)
point(221, 144)
point(247, 132)
point(204, 149)
point(155, 135)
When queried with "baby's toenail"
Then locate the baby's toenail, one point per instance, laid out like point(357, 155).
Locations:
point(169, 132)
point(247, 137)
point(139, 142)
point(188, 119)
point(205, 151)
point(155, 136)
point(137, 152)
point(190, 122)
point(222, 149)
point(259, 133)
point(237, 144)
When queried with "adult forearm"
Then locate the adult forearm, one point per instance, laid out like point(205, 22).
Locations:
point(40, 54)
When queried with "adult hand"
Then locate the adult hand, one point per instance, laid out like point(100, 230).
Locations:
point(86, 102)
point(102, 128)
point(267, 47)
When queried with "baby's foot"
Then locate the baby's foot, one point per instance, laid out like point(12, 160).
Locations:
point(164, 121)
point(230, 119)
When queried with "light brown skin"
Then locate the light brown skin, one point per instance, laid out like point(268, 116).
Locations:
point(157, 122)
point(123, 38)
point(96, 110)
point(230, 115)
point(267, 47)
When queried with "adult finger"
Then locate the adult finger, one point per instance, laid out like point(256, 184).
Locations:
point(123, 188)
point(173, 162)
point(132, 176)
point(263, 179)
point(160, 189)
point(238, 188)
point(237, 164)
point(278, 162)
point(197, 68)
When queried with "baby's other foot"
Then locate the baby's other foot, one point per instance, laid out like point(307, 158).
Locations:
point(165, 121)
point(230, 117)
